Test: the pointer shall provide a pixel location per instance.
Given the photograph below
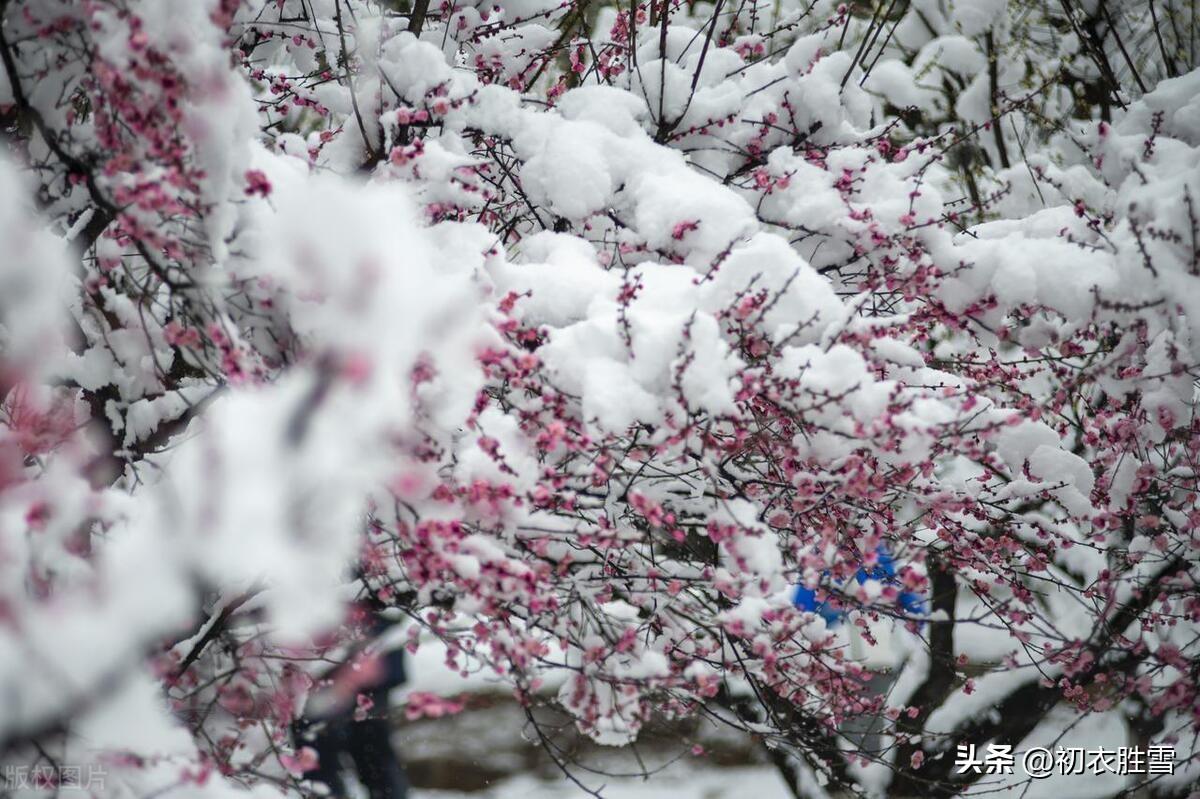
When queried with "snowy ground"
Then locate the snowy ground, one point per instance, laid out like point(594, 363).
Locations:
point(684, 782)
point(489, 752)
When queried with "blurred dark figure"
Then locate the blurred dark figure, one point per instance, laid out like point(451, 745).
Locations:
point(351, 718)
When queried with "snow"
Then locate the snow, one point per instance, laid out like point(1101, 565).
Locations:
point(895, 81)
point(617, 110)
point(1054, 464)
point(679, 781)
point(33, 275)
point(973, 17)
point(512, 314)
point(568, 176)
point(1017, 444)
point(665, 200)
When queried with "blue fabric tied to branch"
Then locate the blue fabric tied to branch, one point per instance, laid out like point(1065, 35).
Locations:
point(884, 571)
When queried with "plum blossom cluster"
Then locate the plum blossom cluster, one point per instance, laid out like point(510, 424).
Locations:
point(581, 336)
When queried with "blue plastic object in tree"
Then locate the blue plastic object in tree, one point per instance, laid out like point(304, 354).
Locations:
point(884, 570)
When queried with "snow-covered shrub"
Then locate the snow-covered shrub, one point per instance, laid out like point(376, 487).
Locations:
point(582, 334)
